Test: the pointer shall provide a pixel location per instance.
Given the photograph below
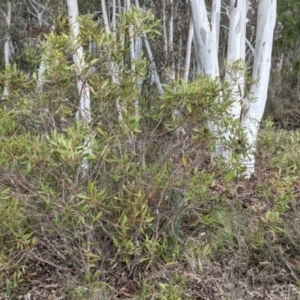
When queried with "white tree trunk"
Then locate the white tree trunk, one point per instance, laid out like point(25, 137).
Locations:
point(105, 18)
point(112, 63)
point(261, 72)
point(38, 12)
point(204, 41)
point(188, 51)
point(84, 111)
point(114, 12)
point(165, 38)
point(235, 61)
point(138, 50)
point(7, 42)
point(135, 54)
point(171, 42)
point(206, 45)
point(215, 19)
point(41, 74)
point(236, 52)
point(151, 59)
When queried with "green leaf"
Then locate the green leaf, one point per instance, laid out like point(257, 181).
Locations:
point(81, 196)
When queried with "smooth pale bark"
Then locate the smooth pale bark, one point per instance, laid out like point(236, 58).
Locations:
point(236, 52)
point(215, 19)
point(155, 75)
point(171, 42)
point(237, 31)
point(164, 24)
point(39, 11)
point(7, 42)
point(131, 42)
point(266, 20)
point(179, 69)
point(41, 74)
point(235, 73)
point(188, 51)
point(114, 12)
point(135, 54)
point(112, 63)
point(138, 50)
point(105, 18)
point(206, 37)
point(247, 42)
point(204, 41)
point(84, 111)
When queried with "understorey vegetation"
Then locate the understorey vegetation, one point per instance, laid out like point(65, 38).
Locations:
point(152, 216)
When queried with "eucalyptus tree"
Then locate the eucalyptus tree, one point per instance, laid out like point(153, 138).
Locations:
point(172, 51)
point(187, 64)
point(38, 9)
point(84, 109)
point(253, 110)
point(7, 44)
point(206, 44)
point(111, 29)
point(170, 45)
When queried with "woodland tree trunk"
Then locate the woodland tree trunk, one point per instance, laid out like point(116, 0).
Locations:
point(254, 110)
point(206, 47)
point(84, 111)
point(235, 73)
point(7, 42)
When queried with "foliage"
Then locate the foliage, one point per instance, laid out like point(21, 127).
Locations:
point(152, 200)
point(289, 23)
